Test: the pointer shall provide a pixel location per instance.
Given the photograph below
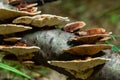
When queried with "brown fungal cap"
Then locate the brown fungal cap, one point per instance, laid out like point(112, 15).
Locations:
point(19, 50)
point(23, 20)
point(27, 7)
point(12, 28)
point(28, 63)
point(92, 31)
point(71, 27)
point(14, 2)
point(105, 38)
point(90, 39)
point(87, 49)
point(79, 65)
point(10, 14)
point(12, 39)
point(41, 20)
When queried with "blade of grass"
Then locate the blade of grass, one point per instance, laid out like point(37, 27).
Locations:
point(114, 48)
point(113, 37)
point(7, 67)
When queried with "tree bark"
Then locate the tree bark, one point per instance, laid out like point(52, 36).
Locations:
point(110, 70)
point(51, 42)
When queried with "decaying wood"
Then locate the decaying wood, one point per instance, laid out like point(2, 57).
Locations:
point(62, 50)
point(110, 70)
point(51, 42)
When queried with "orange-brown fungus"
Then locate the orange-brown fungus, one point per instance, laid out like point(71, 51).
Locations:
point(14, 2)
point(9, 1)
point(20, 44)
point(91, 31)
point(71, 27)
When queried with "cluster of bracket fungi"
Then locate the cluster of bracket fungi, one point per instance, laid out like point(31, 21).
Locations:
point(88, 42)
point(21, 5)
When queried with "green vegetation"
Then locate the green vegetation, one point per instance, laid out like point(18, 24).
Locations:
point(12, 69)
point(9, 68)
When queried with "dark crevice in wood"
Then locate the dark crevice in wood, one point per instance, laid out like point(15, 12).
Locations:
point(38, 59)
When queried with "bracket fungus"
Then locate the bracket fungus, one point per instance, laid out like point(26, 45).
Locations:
point(90, 39)
point(41, 20)
point(92, 31)
point(12, 39)
point(6, 14)
point(12, 28)
point(19, 50)
point(87, 49)
point(14, 2)
point(79, 65)
point(80, 68)
point(47, 46)
point(23, 5)
point(71, 27)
